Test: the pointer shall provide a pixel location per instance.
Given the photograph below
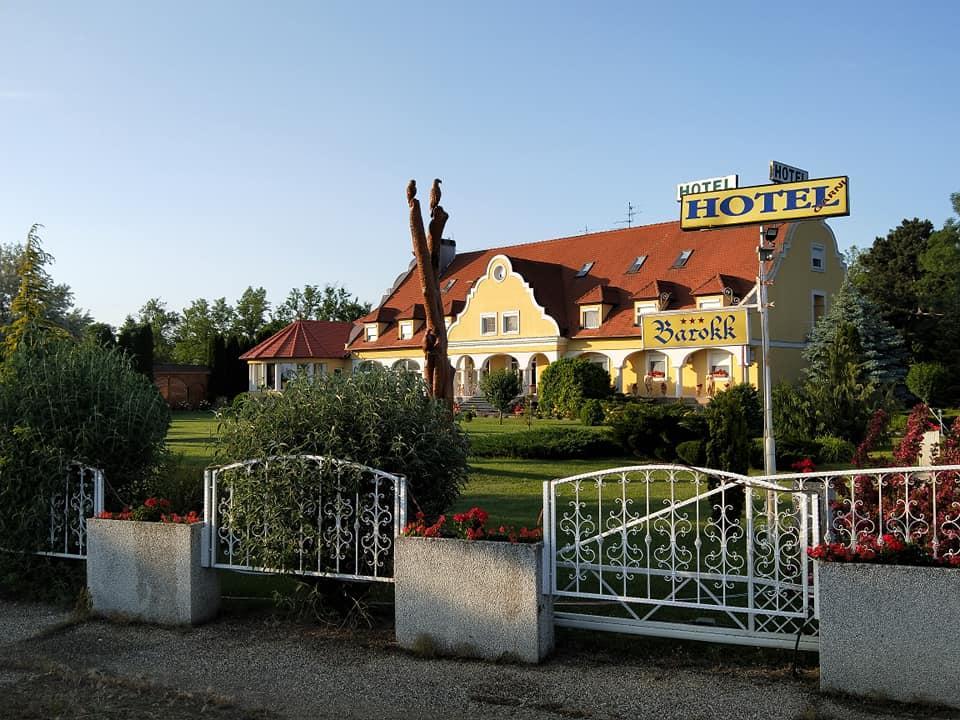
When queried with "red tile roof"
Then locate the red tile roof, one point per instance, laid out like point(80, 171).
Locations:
point(720, 258)
point(304, 339)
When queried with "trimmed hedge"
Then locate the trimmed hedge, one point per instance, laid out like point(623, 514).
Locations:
point(546, 444)
point(692, 452)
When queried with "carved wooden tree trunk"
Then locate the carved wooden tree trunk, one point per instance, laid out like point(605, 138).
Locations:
point(426, 248)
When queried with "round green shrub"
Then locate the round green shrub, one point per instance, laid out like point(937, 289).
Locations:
point(653, 430)
point(566, 383)
point(927, 380)
point(62, 402)
point(380, 418)
point(834, 449)
point(692, 452)
point(591, 413)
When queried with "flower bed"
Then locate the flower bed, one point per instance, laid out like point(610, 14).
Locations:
point(149, 569)
point(470, 597)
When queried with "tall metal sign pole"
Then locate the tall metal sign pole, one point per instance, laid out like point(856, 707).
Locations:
point(765, 253)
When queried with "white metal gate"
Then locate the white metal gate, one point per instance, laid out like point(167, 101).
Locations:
point(324, 517)
point(682, 552)
point(79, 498)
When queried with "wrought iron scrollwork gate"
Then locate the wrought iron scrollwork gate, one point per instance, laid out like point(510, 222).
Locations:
point(682, 552)
point(303, 515)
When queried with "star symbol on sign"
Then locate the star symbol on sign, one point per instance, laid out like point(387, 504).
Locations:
point(683, 321)
point(701, 321)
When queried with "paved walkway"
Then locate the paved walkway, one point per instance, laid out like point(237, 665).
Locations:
point(295, 672)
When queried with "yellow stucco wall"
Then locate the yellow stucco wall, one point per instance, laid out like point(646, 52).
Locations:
point(795, 281)
point(490, 296)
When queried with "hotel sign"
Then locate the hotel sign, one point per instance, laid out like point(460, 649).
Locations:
point(826, 197)
point(697, 186)
point(705, 328)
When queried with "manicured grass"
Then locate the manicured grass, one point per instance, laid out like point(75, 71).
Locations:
point(192, 434)
point(512, 424)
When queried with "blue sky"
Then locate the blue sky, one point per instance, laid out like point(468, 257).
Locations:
point(190, 149)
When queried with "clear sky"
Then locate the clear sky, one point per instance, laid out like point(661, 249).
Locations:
point(190, 149)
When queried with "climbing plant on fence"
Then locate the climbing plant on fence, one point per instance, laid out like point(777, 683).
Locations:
point(376, 417)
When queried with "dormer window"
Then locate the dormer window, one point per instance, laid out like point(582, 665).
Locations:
point(370, 333)
point(406, 329)
point(682, 258)
point(584, 269)
point(637, 264)
point(590, 318)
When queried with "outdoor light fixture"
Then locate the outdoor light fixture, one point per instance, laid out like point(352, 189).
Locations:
point(770, 232)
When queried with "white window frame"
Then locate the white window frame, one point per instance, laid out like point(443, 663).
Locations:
point(371, 332)
point(656, 358)
point(405, 329)
point(488, 316)
point(814, 294)
point(710, 304)
point(641, 309)
point(720, 359)
point(583, 318)
point(818, 251)
point(503, 321)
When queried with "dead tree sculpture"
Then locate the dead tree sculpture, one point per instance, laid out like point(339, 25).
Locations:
point(426, 248)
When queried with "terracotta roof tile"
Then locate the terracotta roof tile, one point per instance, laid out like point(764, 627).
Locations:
point(304, 339)
point(550, 267)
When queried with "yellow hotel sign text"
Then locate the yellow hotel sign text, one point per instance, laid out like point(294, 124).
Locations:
point(826, 197)
point(695, 329)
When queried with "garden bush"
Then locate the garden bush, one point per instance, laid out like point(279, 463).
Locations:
point(61, 402)
point(591, 413)
point(790, 451)
point(653, 430)
point(692, 452)
point(566, 383)
point(834, 450)
point(379, 418)
point(756, 453)
point(927, 381)
point(546, 444)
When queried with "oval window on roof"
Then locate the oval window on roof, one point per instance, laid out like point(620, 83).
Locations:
point(499, 273)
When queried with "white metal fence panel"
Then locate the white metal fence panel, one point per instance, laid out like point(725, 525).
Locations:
point(80, 498)
point(682, 552)
point(303, 515)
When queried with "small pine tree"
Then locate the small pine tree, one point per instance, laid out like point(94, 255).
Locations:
point(728, 446)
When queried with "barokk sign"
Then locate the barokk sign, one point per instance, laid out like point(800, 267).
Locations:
point(707, 328)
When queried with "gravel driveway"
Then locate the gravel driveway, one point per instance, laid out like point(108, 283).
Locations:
point(258, 667)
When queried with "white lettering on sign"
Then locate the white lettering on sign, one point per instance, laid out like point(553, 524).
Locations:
point(782, 173)
point(727, 182)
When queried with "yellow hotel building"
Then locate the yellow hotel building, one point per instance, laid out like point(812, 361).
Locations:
point(667, 313)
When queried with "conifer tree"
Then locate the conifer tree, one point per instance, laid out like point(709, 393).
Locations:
point(29, 307)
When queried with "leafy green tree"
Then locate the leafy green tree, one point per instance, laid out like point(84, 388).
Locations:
point(883, 355)
point(136, 341)
point(28, 309)
point(331, 303)
point(926, 381)
point(101, 334)
point(566, 383)
point(890, 276)
point(251, 313)
point(500, 388)
point(163, 323)
point(223, 317)
point(193, 334)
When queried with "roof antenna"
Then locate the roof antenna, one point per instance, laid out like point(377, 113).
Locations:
point(631, 211)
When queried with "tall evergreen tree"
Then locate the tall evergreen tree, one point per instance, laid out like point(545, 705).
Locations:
point(137, 342)
point(28, 309)
point(883, 356)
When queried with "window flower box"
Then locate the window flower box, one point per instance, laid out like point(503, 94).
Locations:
point(150, 571)
point(882, 631)
point(472, 598)
point(658, 374)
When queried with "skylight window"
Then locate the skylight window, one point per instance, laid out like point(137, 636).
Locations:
point(584, 269)
point(637, 264)
point(682, 258)
point(450, 283)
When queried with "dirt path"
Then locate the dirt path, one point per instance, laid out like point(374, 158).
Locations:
point(255, 667)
